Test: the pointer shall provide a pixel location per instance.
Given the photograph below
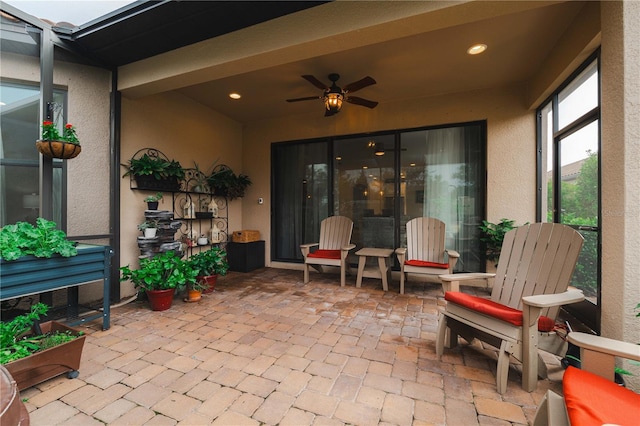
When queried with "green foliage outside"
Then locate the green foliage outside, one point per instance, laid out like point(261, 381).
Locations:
point(579, 205)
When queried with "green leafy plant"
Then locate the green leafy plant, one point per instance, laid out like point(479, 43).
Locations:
point(209, 262)
point(43, 240)
point(157, 167)
point(493, 235)
point(50, 133)
point(16, 341)
point(223, 181)
point(153, 198)
point(147, 224)
point(161, 272)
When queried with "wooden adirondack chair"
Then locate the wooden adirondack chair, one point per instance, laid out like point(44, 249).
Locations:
point(425, 252)
point(333, 247)
point(591, 397)
point(534, 270)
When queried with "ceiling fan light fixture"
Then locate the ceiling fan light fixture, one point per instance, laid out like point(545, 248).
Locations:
point(333, 101)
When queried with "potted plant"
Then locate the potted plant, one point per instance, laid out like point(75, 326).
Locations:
point(493, 235)
point(33, 352)
point(160, 276)
point(225, 183)
point(208, 264)
point(153, 200)
point(153, 171)
point(55, 145)
point(194, 291)
point(149, 227)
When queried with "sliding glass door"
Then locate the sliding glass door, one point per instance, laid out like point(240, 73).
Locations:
point(380, 181)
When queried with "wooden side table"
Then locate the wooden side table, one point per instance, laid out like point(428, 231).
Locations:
point(383, 267)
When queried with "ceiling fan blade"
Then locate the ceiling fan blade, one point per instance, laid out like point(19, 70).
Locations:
point(308, 98)
point(311, 79)
point(360, 84)
point(360, 101)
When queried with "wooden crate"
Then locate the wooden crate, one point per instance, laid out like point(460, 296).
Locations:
point(245, 236)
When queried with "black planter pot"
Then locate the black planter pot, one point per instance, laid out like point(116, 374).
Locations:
point(152, 205)
point(152, 184)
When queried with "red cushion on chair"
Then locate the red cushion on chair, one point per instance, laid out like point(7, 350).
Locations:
point(593, 400)
point(494, 309)
point(325, 254)
point(424, 263)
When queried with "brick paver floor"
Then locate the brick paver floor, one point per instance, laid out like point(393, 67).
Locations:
point(264, 348)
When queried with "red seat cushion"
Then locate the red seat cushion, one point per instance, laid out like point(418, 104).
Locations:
point(424, 263)
point(326, 254)
point(593, 400)
point(494, 309)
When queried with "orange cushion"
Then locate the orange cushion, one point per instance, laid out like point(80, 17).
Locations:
point(494, 309)
point(424, 263)
point(593, 400)
point(326, 254)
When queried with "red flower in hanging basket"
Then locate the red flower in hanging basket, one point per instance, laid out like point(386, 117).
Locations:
point(55, 145)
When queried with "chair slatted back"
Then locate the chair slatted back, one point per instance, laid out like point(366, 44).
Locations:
point(536, 259)
point(425, 239)
point(335, 232)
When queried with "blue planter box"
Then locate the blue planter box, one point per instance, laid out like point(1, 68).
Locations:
point(31, 275)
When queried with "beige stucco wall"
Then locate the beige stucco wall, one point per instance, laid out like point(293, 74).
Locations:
point(510, 139)
point(621, 172)
point(184, 131)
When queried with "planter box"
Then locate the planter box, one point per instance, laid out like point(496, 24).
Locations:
point(52, 362)
point(32, 275)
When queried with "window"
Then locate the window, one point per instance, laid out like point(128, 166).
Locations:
point(380, 181)
point(569, 176)
point(19, 159)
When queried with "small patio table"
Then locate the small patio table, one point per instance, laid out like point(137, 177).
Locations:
point(383, 267)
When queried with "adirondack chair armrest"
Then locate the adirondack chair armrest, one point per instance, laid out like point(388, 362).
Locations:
point(452, 253)
point(604, 345)
point(451, 282)
point(348, 247)
point(401, 253)
point(549, 300)
point(306, 248)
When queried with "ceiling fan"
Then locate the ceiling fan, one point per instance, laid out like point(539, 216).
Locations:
point(334, 95)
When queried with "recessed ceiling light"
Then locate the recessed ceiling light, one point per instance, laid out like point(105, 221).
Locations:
point(338, 158)
point(412, 164)
point(476, 49)
point(234, 95)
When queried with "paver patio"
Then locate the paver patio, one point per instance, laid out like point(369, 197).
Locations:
point(265, 348)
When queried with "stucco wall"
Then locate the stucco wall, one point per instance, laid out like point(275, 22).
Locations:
point(510, 139)
point(184, 131)
point(621, 172)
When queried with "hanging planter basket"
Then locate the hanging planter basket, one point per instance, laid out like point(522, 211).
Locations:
point(58, 149)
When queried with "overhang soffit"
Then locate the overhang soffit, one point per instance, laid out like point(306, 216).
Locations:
point(311, 33)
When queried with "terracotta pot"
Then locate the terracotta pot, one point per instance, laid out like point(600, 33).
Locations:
point(160, 300)
point(58, 149)
point(44, 365)
point(193, 295)
point(209, 280)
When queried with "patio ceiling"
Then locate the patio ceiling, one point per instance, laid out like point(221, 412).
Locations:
point(423, 60)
